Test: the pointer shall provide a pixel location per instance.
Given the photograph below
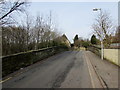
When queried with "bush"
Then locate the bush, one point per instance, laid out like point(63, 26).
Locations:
point(85, 44)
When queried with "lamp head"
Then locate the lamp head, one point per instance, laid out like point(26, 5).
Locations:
point(96, 9)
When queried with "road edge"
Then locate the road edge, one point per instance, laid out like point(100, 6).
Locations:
point(102, 82)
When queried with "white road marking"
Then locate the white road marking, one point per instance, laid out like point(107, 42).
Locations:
point(93, 85)
point(5, 80)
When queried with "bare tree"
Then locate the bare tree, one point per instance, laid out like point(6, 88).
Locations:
point(103, 26)
point(27, 25)
point(29, 35)
point(8, 7)
point(38, 30)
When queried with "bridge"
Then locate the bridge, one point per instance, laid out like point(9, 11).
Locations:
point(58, 67)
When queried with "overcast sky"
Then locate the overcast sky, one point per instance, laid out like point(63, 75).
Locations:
point(74, 17)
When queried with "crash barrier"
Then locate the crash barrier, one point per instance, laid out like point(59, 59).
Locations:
point(15, 62)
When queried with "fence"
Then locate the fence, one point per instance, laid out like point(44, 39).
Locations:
point(15, 62)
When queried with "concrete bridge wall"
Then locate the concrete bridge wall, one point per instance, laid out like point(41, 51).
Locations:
point(112, 55)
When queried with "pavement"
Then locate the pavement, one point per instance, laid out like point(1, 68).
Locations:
point(70, 69)
point(105, 69)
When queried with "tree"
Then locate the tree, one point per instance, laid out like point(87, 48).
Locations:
point(103, 27)
point(76, 41)
point(85, 44)
point(27, 25)
point(93, 39)
point(13, 40)
point(29, 35)
point(7, 8)
point(75, 38)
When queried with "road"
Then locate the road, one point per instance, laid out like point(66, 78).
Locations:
point(69, 69)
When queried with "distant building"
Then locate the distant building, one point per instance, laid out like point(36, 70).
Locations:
point(65, 40)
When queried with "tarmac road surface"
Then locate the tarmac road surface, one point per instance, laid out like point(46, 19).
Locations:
point(69, 69)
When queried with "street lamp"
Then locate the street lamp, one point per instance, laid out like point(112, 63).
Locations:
point(96, 9)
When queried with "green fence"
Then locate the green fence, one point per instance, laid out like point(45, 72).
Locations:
point(14, 62)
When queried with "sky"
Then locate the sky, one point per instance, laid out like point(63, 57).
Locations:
point(73, 18)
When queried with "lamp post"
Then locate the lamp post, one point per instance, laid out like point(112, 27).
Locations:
point(96, 9)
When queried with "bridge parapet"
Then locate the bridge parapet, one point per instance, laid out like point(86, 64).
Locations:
point(12, 63)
